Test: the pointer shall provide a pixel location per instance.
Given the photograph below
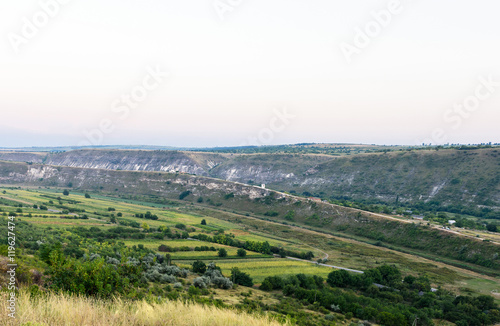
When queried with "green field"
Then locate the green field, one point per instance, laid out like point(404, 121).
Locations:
point(259, 269)
point(183, 255)
point(351, 253)
point(97, 209)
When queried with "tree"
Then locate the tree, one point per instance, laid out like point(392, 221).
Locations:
point(390, 274)
point(241, 252)
point(203, 222)
point(113, 219)
point(241, 278)
point(272, 283)
point(339, 278)
point(266, 285)
point(184, 194)
point(145, 226)
point(65, 192)
point(168, 257)
point(492, 228)
point(222, 252)
point(200, 199)
point(164, 248)
point(87, 196)
point(199, 267)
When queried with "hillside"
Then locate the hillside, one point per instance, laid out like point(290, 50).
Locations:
point(60, 310)
point(450, 178)
point(162, 187)
point(169, 237)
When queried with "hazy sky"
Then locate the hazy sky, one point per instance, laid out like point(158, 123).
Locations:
point(248, 72)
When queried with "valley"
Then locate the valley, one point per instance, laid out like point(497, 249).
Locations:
point(187, 221)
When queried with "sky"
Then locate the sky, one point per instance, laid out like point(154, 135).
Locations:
point(205, 73)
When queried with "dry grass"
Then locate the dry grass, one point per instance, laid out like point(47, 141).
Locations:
point(59, 310)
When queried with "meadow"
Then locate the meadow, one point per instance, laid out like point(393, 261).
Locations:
point(353, 252)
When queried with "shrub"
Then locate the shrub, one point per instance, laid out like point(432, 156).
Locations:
point(290, 215)
point(168, 279)
point(241, 278)
point(184, 194)
point(180, 226)
point(272, 283)
point(201, 282)
point(193, 290)
point(216, 277)
point(222, 282)
point(164, 248)
point(199, 267)
point(222, 252)
point(92, 277)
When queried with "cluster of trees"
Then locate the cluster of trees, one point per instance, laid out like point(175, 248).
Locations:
point(184, 194)
point(147, 216)
point(241, 278)
point(380, 295)
point(429, 240)
point(383, 275)
point(102, 235)
point(213, 271)
point(92, 277)
point(256, 246)
point(433, 207)
point(165, 248)
point(120, 232)
point(105, 276)
point(229, 240)
point(357, 296)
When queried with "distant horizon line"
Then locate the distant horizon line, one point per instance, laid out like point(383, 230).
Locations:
point(166, 147)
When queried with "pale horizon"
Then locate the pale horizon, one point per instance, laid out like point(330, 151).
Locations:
point(259, 73)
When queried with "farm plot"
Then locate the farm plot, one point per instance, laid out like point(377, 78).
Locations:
point(259, 269)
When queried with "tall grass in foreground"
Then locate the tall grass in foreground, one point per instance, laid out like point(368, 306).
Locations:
point(63, 309)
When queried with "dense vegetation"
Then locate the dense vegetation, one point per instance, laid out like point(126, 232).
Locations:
point(388, 301)
point(118, 252)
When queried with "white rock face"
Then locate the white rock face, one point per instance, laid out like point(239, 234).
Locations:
point(35, 173)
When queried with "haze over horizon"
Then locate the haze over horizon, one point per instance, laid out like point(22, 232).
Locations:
point(180, 74)
point(167, 147)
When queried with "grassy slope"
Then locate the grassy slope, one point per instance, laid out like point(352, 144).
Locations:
point(330, 218)
point(449, 176)
point(341, 251)
point(62, 310)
